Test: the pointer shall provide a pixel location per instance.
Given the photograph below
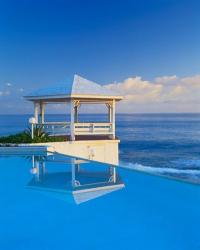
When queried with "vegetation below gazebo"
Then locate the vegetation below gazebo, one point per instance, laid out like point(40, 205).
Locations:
point(25, 137)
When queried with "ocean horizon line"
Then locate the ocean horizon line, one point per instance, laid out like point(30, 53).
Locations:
point(135, 113)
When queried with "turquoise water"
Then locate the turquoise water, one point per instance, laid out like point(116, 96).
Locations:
point(43, 208)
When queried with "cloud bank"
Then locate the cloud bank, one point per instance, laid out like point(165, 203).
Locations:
point(163, 94)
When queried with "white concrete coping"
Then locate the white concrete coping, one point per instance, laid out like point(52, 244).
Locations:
point(23, 149)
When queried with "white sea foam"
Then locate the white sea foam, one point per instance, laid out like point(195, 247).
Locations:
point(159, 170)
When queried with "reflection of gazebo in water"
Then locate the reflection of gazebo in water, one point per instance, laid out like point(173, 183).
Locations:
point(76, 92)
point(77, 185)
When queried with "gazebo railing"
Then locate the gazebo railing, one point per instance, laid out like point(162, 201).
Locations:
point(93, 128)
point(56, 128)
point(63, 128)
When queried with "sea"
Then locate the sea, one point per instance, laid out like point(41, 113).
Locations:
point(163, 144)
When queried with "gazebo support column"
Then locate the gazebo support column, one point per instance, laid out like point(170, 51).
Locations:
point(36, 107)
point(72, 132)
point(77, 105)
point(113, 119)
point(42, 111)
point(109, 112)
point(76, 113)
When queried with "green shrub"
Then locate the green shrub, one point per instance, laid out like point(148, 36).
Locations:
point(40, 136)
point(17, 138)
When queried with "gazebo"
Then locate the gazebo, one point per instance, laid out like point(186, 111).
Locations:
point(75, 92)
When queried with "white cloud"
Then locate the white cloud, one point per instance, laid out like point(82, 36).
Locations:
point(8, 84)
point(137, 90)
point(193, 81)
point(163, 94)
point(166, 79)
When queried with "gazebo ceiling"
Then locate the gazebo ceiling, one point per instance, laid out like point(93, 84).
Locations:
point(76, 88)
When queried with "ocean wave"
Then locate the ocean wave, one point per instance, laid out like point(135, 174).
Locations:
point(159, 170)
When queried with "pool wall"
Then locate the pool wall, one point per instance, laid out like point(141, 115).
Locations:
point(105, 151)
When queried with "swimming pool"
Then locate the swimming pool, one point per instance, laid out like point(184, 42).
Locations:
point(56, 202)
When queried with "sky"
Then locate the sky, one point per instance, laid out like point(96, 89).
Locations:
point(147, 50)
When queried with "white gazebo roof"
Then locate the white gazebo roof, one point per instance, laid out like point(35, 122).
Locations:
point(77, 87)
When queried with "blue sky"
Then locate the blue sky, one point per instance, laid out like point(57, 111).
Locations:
point(42, 42)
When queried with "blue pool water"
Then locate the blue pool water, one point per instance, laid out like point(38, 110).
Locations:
point(49, 202)
point(41, 210)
